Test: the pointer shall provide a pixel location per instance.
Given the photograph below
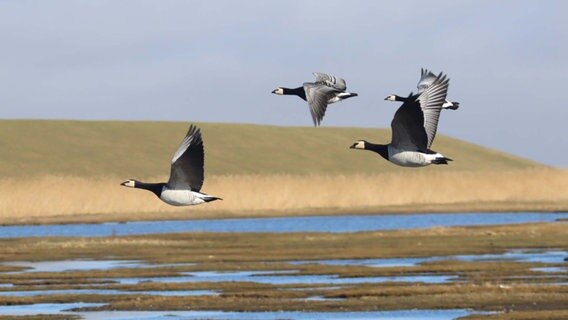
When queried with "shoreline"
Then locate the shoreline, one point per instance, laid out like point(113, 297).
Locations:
point(197, 214)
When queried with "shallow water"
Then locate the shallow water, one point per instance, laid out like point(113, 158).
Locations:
point(272, 277)
point(322, 298)
point(351, 223)
point(521, 255)
point(217, 315)
point(376, 263)
point(43, 308)
point(550, 269)
point(83, 265)
point(55, 308)
point(32, 293)
point(72, 265)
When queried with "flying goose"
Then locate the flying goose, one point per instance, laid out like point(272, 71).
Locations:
point(325, 90)
point(426, 80)
point(413, 128)
point(186, 175)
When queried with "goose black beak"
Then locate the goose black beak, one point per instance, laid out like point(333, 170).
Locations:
point(273, 91)
point(353, 146)
point(125, 183)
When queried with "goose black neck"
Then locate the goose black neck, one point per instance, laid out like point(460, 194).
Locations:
point(300, 92)
point(401, 99)
point(381, 149)
point(155, 188)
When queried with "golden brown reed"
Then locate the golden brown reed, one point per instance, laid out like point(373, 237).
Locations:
point(67, 199)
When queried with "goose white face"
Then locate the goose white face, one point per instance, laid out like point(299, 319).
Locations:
point(358, 145)
point(128, 183)
point(278, 91)
point(391, 98)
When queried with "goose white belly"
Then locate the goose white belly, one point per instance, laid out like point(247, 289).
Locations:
point(407, 158)
point(339, 97)
point(333, 100)
point(180, 197)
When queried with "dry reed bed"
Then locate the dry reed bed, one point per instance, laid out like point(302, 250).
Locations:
point(62, 198)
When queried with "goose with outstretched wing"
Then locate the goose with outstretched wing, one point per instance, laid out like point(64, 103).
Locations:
point(186, 174)
point(327, 89)
point(414, 128)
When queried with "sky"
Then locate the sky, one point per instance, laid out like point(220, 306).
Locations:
point(218, 61)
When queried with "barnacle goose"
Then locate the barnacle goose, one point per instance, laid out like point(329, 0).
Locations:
point(413, 128)
point(426, 80)
point(186, 175)
point(325, 90)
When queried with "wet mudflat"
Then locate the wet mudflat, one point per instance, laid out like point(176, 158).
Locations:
point(436, 273)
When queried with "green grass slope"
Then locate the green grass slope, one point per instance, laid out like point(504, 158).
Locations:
point(144, 149)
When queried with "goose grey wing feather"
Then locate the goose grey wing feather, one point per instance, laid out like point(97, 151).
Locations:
point(407, 127)
point(431, 101)
point(317, 96)
point(188, 162)
point(332, 81)
point(426, 79)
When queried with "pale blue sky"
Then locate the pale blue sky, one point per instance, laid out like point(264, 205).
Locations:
point(218, 61)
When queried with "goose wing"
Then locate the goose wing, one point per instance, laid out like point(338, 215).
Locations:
point(426, 79)
point(187, 163)
point(332, 81)
point(431, 101)
point(407, 127)
point(317, 96)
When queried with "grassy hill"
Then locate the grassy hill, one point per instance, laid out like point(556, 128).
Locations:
point(72, 170)
point(144, 149)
